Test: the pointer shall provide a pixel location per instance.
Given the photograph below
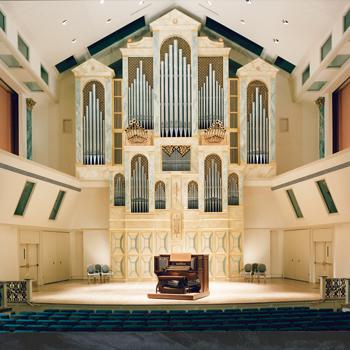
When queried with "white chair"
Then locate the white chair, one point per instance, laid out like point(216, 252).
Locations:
point(91, 273)
point(106, 273)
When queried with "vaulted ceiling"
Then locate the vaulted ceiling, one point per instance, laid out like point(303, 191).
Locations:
point(309, 21)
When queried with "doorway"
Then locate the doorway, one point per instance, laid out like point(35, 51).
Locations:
point(29, 262)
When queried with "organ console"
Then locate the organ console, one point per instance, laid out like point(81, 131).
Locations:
point(181, 276)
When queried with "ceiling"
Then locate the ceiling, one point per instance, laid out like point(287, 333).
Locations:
point(310, 21)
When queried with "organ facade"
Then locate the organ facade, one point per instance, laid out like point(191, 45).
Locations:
point(175, 139)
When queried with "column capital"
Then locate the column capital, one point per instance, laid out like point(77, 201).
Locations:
point(30, 103)
point(320, 101)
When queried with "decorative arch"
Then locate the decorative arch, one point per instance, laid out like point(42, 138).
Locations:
point(159, 193)
point(139, 184)
point(233, 189)
point(119, 190)
point(93, 123)
point(192, 195)
point(258, 143)
point(213, 183)
point(175, 88)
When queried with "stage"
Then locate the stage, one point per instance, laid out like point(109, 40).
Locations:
point(135, 293)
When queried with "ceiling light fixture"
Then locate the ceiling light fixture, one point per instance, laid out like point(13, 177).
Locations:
point(242, 21)
point(276, 41)
point(65, 22)
point(285, 21)
point(248, 2)
point(74, 41)
point(209, 3)
point(102, 2)
point(141, 2)
point(109, 20)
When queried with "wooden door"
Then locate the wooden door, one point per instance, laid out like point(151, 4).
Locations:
point(29, 262)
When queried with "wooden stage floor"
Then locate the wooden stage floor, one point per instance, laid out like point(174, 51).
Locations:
point(135, 293)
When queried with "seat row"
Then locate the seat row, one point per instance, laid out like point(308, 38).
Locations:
point(99, 272)
point(254, 271)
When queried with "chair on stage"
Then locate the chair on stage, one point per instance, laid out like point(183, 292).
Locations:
point(106, 273)
point(92, 273)
point(247, 272)
point(260, 272)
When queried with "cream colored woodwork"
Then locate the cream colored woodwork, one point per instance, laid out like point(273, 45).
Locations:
point(55, 250)
point(296, 251)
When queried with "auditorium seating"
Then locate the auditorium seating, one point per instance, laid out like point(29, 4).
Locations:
point(263, 319)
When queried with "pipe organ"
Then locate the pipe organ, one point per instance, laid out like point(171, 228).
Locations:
point(140, 99)
point(210, 100)
point(175, 93)
point(139, 185)
point(257, 124)
point(93, 125)
point(176, 123)
point(213, 184)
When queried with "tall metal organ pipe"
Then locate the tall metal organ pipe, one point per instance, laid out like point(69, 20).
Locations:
point(93, 131)
point(210, 100)
point(258, 132)
point(139, 188)
point(213, 188)
point(175, 94)
point(140, 100)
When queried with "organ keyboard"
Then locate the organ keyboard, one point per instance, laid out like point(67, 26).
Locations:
point(181, 274)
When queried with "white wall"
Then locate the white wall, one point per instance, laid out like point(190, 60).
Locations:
point(9, 260)
point(257, 247)
point(96, 245)
point(276, 253)
point(341, 250)
point(77, 270)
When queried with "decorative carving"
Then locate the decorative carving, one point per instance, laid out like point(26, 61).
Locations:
point(135, 133)
point(215, 133)
point(335, 288)
point(30, 103)
point(169, 150)
point(17, 292)
point(176, 226)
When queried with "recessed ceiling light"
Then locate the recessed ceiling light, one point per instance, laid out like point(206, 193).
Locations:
point(102, 1)
point(209, 3)
point(248, 2)
point(276, 41)
point(65, 22)
point(242, 21)
point(285, 21)
point(74, 41)
point(109, 20)
point(141, 2)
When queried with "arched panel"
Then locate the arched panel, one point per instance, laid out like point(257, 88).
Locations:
point(175, 88)
point(257, 123)
point(159, 192)
point(119, 190)
point(233, 189)
point(213, 183)
point(139, 184)
point(93, 123)
point(192, 195)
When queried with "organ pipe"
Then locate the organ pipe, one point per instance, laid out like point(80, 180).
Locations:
point(140, 100)
point(175, 94)
point(213, 188)
point(139, 188)
point(258, 132)
point(210, 101)
point(93, 131)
